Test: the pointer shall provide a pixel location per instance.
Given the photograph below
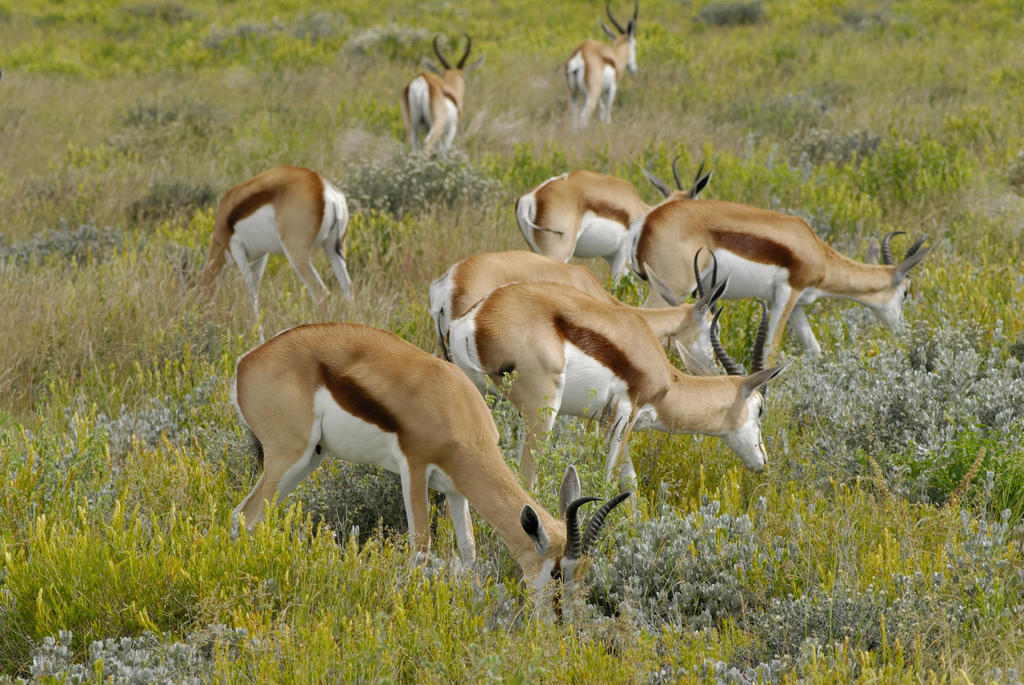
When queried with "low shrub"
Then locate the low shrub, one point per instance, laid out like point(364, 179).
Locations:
point(390, 41)
point(409, 184)
point(737, 13)
point(86, 242)
point(354, 499)
point(923, 407)
point(172, 198)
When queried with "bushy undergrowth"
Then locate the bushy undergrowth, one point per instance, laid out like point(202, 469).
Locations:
point(925, 408)
point(731, 13)
point(84, 242)
point(405, 183)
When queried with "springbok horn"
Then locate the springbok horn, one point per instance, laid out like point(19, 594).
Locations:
point(727, 362)
point(469, 44)
point(757, 363)
point(595, 524)
point(604, 27)
point(886, 250)
point(437, 51)
point(608, 10)
point(696, 274)
point(912, 250)
point(573, 547)
point(656, 182)
point(675, 172)
point(636, 9)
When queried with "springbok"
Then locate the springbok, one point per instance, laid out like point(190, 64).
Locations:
point(770, 255)
point(578, 355)
point(468, 281)
point(367, 396)
point(286, 209)
point(432, 103)
point(594, 69)
point(587, 214)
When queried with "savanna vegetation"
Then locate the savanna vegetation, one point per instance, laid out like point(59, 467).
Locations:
point(883, 543)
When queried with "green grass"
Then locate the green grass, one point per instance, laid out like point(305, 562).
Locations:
point(121, 456)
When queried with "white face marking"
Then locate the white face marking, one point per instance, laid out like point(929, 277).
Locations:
point(891, 313)
point(258, 232)
point(543, 576)
point(589, 385)
point(631, 62)
point(746, 440)
point(599, 236)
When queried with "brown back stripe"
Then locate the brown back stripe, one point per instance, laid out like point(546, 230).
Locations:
point(755, 248)
point(600, 348)
point(609, 211)
point(249, 205)
point(351, 397)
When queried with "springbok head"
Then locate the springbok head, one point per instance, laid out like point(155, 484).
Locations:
point(691, 193)
point(888, 308)
point(454, 77)
point(694, 333)
point(624, 35)
point(569, 564)
point(744, 436)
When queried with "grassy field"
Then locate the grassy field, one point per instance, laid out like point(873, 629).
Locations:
point(883, 543)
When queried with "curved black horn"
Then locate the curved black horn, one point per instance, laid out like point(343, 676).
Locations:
point(636, 9)
point(437, 51)
point(596, 522)
point(886, 250)
point(608, 10)
point(696, 274)
point(469, 44)
point(573, 546)
point(757, 362)
point(912, 250)
point(675, 172)
point(727, 362)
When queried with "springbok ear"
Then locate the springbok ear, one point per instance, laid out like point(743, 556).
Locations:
point(755, 380)
point(474, 64)
point(699, 186)
point(662, 287)
point(691, 363)
point(569, 490)
point(900, 272)
point(429, 64)
point(874, 251)
point(535, 529)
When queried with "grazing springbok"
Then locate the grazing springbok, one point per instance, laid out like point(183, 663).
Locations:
point(432, 102)
point(770, 255)
point(587, 214)
point(287, 209)
point(468, 281)
point(577, 355)
point(594, 69)
point(367, 396)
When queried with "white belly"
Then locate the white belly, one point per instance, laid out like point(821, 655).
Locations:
point(258, 232)
point(588, 387)
point(598, 236)
point(349, 437)
point(748, 278)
